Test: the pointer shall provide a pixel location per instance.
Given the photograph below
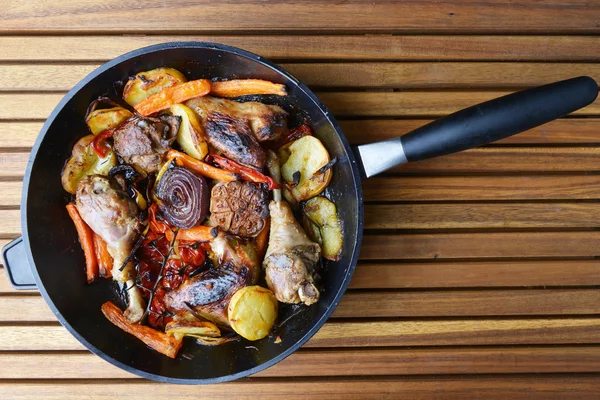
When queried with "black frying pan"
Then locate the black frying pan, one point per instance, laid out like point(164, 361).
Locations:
point(48, 256)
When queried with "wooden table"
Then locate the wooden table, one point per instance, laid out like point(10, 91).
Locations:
point(479, 273)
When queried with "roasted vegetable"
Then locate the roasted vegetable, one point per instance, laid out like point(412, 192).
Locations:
point(247, 173)
point(192, 328)
point(183, 197)
point(243, 87)
point(103, 257)
point(191, 134)
point(86, 239)
point(172, 95)
point(107, 118)
point(83, 162)
point(322, 225)
point(302, 168)
point(165, 344)
point(252, 312)
point(145, 84)
point(204, 169)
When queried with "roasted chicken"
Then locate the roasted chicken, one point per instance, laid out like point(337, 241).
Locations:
point(290, 258)
point(235, 129)
point(111, 214)
point(239, 208)
point(143, 142)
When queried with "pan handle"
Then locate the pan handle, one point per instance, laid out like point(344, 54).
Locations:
point(18, 271)
point(481, 124)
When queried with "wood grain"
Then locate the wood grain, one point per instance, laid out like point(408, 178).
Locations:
point(460, 388)
point(324, 362)
point(579, 16)
point(363, 334)
point(480, 245)
point(11, 193)
point(11, 223)
point(402, 75)
point(319, 47)
point(342, 104)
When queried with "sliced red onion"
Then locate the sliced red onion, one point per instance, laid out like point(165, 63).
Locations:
point(184, 197)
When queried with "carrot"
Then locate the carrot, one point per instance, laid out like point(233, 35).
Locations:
point(86, 238)
point(159, 341)
point(105, 261)
point(197, 234)
point(247, 173)
point(242, 87)
point(262, 239)
point(200, 167)
point(172, 95)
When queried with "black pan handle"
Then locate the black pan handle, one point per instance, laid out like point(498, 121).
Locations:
point(480, 124)
point(18, 271)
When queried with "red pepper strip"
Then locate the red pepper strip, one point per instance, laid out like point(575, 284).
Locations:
point(247, 173)
point(100, 149)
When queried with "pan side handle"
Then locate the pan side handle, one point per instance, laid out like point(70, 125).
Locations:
point(480, 124)
point(18, 270)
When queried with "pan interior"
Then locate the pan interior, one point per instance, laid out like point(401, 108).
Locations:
point(59, 261)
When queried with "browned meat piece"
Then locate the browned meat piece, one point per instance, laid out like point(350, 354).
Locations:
point(290, 258)
point(239, 207)
point(235, 129)
point(143, 142)
point(107, 209)
point(208, 294)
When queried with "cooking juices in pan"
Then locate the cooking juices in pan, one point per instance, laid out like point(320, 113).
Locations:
point(188, 199)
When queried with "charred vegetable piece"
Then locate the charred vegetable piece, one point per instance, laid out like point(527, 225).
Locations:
point(243, 87)
point(191, 134)
point(302, 169)
point(192, 328)
point(145, 84)
point(247, 173)
point(239, 208)
point(200, 167)
point(252, 312)
point(159, 341)
point(107, 118)
point(323, 226)
point(83, 162)
point(183, 197)
point(172, 95)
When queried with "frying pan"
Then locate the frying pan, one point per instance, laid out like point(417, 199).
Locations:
point(48, 256)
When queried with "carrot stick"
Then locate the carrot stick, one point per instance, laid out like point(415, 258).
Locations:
point(247, 173)
point(172, 95)
point(159, 341)
point(197, 234)
point(242, 87)
point(200, 167)
point(105, 261)
point(262, 239)
point(86, 238)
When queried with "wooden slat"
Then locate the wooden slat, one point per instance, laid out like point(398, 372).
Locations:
point(468, 332)
point(365, 104)
point(180, 16)
point(436, 75)
point(339, 363)
point(481, 245)
point(558, 131)
point(11, 193)
point(398, 304)
point(457, 216)
point(10, 222)
point(561, 131)
point(444, 188)
point(459, 388)
point(347, 47)
point(475, 274)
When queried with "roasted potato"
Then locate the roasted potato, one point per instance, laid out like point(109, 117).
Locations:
point(107, 118)
point(322, 225)
point(301, 161)
point(192, 328)
point(145, 84)
point(84, 161)
point(252, 312)
point(191, 134)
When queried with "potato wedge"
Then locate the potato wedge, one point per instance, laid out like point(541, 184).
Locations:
point(191, 134)
point(107, 118)
point(145, 84)
point(252, 312)
point(84, 161)
point(192, 328)
point(322, 225)
point(301, 161)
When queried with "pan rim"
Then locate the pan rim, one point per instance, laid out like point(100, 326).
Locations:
point(256, 58)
